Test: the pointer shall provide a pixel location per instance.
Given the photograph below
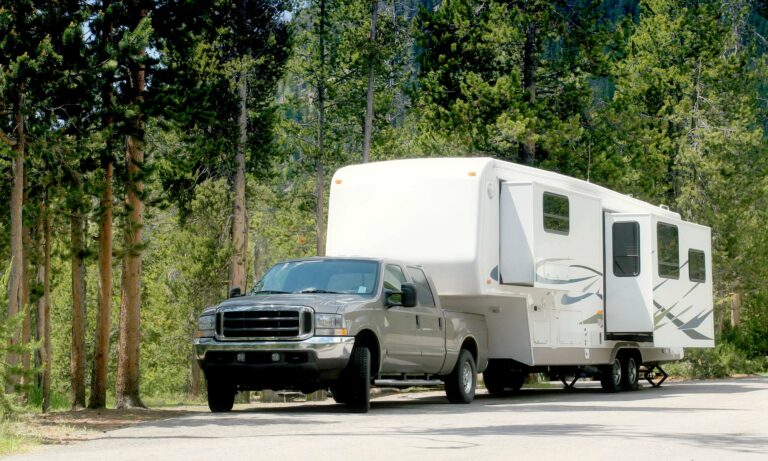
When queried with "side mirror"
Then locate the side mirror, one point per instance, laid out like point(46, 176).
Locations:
point(408, 293)
point(235, 292)
point(406, 297)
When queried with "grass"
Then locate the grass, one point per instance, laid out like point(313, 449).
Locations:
point(15, 438)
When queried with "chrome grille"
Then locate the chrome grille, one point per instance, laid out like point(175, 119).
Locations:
point(273, 323)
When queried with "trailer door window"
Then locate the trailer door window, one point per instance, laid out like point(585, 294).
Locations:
point(668, 248)
point(626, 249)
point(556, 213)
point(423, 292)
point(697, 271)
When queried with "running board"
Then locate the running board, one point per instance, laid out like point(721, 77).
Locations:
point(403, 383)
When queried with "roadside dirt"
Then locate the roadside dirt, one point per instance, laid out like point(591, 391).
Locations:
point(65, 427)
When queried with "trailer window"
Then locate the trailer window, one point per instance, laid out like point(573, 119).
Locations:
point(423, 292)
point(668, 248)
point(626, 249)
point(556, 213)
point(697, 271)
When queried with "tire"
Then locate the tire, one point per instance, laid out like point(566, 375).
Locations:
point(630, 373)
point(500, 380)
point(358, 380)
point(339, 392)
point(461, 384)
point(221, 396)
point(611, 376)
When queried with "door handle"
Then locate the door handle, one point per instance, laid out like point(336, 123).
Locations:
point(418, 322)
point(440, 323)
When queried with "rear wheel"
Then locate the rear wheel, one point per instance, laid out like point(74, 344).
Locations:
point(221, 396)
point(358, 381)
point(630, 373)
point(339, 392)
point(461, 383)
point(610, 376)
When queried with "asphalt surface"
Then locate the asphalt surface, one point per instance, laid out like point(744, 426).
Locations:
point(724, 419)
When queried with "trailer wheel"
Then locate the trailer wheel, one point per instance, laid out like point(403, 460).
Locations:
point(500, 379)
point(221, 396)
point(359, 381)
point(461, 383)
point(611, 376)
point(630, 373)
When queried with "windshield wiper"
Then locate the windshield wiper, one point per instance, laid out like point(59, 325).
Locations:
point(319, 291)
point(271, 292)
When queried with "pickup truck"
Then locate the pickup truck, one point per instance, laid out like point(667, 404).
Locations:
point(342, 324)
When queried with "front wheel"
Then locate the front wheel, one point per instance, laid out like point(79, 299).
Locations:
point(221, 396)
point(461, 383)
point(358, 376)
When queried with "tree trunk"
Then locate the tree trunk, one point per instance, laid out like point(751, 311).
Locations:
point(15, 292)
point(195, 384)
point(26, 327)
point(239, 221)
point(371, 83)
point(528, 147)
point(44, 303)
point(77, 364)
point(103, 314)
point(736, 304)
point(319, 173)
point(127, 392)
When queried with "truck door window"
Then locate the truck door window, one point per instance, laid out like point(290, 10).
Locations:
point(423, 292)
point(626, 249)
point(668, 250)
point(393, 277)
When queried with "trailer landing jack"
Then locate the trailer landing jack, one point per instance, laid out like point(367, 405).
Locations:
point(569, 385)
point(652, 373)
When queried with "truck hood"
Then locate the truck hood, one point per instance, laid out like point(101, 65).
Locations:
point(320, 302)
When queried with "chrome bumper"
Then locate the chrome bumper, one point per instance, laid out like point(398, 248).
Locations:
point(330, 351)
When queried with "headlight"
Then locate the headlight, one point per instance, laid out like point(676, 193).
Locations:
point(206, 326)
point(329, 325)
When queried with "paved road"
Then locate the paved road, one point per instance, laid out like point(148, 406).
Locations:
point(726, 419)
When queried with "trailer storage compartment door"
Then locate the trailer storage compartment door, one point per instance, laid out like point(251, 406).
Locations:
point(629, 274)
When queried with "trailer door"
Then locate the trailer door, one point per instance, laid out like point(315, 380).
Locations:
point(628, 274)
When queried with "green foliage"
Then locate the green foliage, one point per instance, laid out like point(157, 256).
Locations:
point(722, 361)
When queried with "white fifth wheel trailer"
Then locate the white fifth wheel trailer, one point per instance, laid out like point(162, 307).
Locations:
point(573, 279)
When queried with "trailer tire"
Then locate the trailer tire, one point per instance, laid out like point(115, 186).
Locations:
point(461, 384)
point(611, 376)
point(501, 380)
point(359, 380)
point(221, 396)
point(630, 373)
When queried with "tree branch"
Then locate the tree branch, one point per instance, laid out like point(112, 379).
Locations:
point(6, 139)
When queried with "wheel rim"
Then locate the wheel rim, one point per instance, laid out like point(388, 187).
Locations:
point(616, 372)
point(466, 377)
point(631, 371)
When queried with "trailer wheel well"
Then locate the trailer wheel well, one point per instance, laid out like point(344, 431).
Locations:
point(368, 338)
point(631, 352)
point(470, 345)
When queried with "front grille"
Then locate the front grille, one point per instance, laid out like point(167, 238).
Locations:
point(271, 323)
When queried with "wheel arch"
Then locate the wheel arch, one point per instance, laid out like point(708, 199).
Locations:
point(369, 339)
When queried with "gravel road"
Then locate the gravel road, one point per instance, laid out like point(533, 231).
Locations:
point(723, 419)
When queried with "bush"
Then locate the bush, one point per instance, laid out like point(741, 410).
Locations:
point(724, 360)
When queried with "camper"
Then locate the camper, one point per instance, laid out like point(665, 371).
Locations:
point(574, 280)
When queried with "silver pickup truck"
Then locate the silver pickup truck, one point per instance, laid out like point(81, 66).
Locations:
point(342, 324)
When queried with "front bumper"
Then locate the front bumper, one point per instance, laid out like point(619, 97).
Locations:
point(275, 364)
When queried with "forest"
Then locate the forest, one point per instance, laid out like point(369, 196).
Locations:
point(155, 154)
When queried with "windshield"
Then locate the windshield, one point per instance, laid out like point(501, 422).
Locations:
point(338, 276)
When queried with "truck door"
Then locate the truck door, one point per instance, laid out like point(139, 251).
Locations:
point(429, 322)
point(400, 330)
point(628, 275)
